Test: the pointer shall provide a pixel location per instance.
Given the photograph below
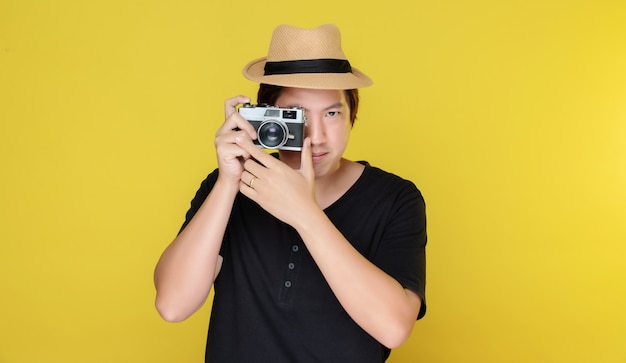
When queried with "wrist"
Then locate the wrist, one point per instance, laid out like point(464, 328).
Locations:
point(225, 186)
point(309, 220)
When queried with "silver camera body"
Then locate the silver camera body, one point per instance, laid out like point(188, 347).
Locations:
point(276, 128)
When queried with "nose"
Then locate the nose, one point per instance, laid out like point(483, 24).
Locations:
point(315, 130)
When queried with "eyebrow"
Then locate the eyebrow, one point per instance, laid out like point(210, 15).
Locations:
point(334, 105)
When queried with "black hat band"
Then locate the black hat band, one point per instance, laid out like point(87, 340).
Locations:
point(308, 66)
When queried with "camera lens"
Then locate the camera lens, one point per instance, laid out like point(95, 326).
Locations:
point(272, 134)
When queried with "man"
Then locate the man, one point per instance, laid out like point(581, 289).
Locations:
point(314, 258)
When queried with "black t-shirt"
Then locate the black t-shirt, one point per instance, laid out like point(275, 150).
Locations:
point(272, 303)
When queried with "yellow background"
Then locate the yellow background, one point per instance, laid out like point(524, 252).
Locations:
point(509, 115)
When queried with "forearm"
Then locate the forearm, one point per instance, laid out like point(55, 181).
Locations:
point(187, 268)
point(372, 298)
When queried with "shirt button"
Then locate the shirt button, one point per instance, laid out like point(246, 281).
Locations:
point(292, 265)
point(295, 248)
point(287, 283)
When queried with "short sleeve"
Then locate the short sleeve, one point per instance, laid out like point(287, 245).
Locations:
point(403, 247)
point(201, 194)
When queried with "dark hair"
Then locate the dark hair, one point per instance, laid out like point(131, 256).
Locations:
point(269, 93)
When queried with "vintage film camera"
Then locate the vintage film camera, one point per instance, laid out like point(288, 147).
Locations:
point(276, 128)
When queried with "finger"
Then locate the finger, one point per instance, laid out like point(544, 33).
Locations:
point(235, 122)
point(306, 160)
point(247, 191)
point(228, 139)
point(242, 124)
point(231, 104)
point(247, 178)
point(256, 152)
point(231, 153)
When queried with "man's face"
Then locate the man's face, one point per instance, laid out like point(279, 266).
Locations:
point(328, 126)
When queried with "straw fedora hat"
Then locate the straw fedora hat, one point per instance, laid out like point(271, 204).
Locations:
point(306, 58)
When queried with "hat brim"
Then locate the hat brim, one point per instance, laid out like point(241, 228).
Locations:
point(255, 70)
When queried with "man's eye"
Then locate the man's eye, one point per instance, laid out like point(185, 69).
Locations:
point(332, 113)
